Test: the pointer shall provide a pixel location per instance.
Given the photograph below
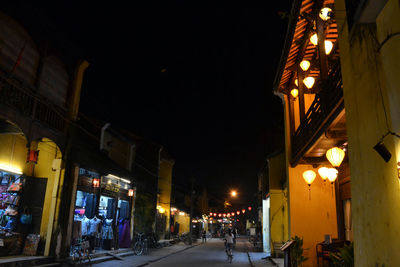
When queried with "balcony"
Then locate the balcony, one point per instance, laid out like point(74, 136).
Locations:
point(327, 105)
point(16, 97)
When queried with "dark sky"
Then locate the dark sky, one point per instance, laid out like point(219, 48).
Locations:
point(193, 78)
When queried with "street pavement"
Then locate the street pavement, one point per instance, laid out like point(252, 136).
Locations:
point(210, 254)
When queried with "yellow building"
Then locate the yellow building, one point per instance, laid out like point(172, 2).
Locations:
point(164, 195)
point(309, 82)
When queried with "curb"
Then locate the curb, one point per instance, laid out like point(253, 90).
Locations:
point(166, 256)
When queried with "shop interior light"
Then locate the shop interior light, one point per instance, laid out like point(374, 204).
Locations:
point(325, 13)
point(323, 172)
point(181, 213)
point(9, 168)
point(305, 65)
point(294, 92)
point(314, 39)
point(328, 47)
point(335, 156)
point(309, 82)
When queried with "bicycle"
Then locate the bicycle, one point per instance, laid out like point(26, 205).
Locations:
point(152, 241)
point(80, 252)
point(228, 251)
point(186, 238)
point(140, 245)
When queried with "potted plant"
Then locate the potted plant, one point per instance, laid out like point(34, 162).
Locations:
point(344, 257)
point(296, 252)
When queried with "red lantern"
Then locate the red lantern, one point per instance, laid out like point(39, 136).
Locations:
point(243, 210)
point(130, 192)
point(228, 215)
point(249, 208)
point(224, 214)
point(233, 214)
point(238, 212)
point(210, 213)
point(215, 215)
point(96, 183)
point(219, 215)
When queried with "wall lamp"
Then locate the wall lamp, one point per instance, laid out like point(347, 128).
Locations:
point(382, 149)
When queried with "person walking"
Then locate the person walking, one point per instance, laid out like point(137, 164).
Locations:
point(204, 236)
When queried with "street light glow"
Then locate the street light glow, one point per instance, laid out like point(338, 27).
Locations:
point(233, 193)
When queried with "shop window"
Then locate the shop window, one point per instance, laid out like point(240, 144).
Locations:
point(107, 207)
point(85, 204)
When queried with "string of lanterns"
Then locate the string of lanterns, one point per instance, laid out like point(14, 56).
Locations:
point(228, 214)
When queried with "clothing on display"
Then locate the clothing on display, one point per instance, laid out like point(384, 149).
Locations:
point(124, 233)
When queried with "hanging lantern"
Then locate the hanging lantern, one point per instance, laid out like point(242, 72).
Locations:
point(215, 215)
point(228, 215)
point(314, 39)
point(328, 47)
point(296, 82)
point(211, 213)
point(219, 215)
point(130, 192)
point(161, 210)
point(309, 176)
point(332, 174)
point(249, 208)
point(243, 211)
point(96, 182)
point(325, 13)
point(304, 65)
point(323, 172)
point(309, 82)
point(224, 214)
point(294, 92)
point(233, 214)
point(335, 156)
point(238, 212)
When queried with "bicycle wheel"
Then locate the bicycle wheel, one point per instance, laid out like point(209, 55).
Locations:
point(138, 248)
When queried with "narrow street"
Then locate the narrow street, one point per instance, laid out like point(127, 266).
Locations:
point(210, 254)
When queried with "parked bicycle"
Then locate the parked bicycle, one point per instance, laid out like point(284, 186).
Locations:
point(140, 244)
point(186, 238)
point(80, 252)
point(153, 240)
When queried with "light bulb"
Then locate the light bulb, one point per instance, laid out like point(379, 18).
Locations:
point(314, 39)
point(309, 82)
point(294, 92)
point(328, 47)
point(305, 64)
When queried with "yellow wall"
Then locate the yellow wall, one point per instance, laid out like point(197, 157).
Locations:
point(184, 222)
point(278, 216)
point(313, 218)
point(308, 99)
point(48, 151)
point(371, 78)
point(164, 188)
point(13, 151)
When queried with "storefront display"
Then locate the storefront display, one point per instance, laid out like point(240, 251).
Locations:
point(102, 212)
point(11, 241)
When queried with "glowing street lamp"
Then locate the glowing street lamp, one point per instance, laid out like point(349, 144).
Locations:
point(233, 193)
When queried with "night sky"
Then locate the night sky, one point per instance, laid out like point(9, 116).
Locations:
point(193, 78)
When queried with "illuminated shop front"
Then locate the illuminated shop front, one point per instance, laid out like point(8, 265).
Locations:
point(103, 211)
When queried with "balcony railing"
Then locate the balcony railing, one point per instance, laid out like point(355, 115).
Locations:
point(326, 106)
point(23, 100)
